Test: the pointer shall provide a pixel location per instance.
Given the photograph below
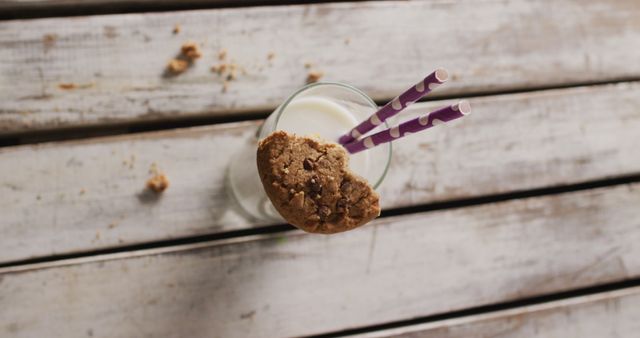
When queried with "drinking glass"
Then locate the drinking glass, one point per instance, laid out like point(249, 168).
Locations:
point(243, 179)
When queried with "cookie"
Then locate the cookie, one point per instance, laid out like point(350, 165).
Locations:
point(311, 186)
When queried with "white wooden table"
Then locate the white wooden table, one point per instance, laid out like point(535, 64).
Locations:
point(523, 220)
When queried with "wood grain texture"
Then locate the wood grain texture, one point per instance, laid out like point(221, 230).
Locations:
point(75, 196)
point(607, 314)
point(299, 284)
point(118, 61)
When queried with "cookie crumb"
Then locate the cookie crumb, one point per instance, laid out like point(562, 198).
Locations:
point(176, 29)
point(67, 86)
point(228, 71)
point(177, 66)
point(72, 86)
point(219, 68)
point(191, 50)
point(233, 70)
point(82, 191)
point(158, 183)
point(232, 73)
point(308, 65)
point(271, 56)
point(49, 40)
point(222, 54)
point(314, 76)
point(347, 41)
point(111, 225)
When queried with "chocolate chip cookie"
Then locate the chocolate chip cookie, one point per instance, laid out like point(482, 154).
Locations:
point(311, 186)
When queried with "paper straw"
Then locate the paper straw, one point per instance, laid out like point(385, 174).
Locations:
point(411, 95)
point(423, 122)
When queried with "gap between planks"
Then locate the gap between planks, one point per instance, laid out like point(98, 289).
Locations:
point(558, 302)
point(270, 231)
point(133, 127)
point(33, 9)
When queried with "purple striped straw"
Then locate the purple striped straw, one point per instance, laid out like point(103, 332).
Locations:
point(411, 95)
point(423, 122)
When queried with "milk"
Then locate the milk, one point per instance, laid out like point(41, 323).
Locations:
point(318, 116)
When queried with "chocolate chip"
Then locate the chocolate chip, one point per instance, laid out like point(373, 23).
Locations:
point(324, 212)
point(341, 204)
point(307, 164)
point(345, 186)
point(314, 185)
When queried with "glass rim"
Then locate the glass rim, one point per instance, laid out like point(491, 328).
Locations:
point(369, 100)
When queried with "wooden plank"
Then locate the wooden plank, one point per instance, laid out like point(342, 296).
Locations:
point(300, 284)
point(607, 314)
point(93, 189)
point(118, 61)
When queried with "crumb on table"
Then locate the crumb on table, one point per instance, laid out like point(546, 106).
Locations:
point(67, 86)
point(308, 65)
point(158, 183)
point(314, 76)
point(176, 29)
point(71, 85)
point(222, 54)
point(223, 67)
point(49, 40)
point(228, 71)
point(233, 72)
point(188, 52)
point(271, 56)
point(177, 66)
point(191, 50)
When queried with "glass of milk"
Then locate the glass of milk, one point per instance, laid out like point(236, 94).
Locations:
point(324, 109)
